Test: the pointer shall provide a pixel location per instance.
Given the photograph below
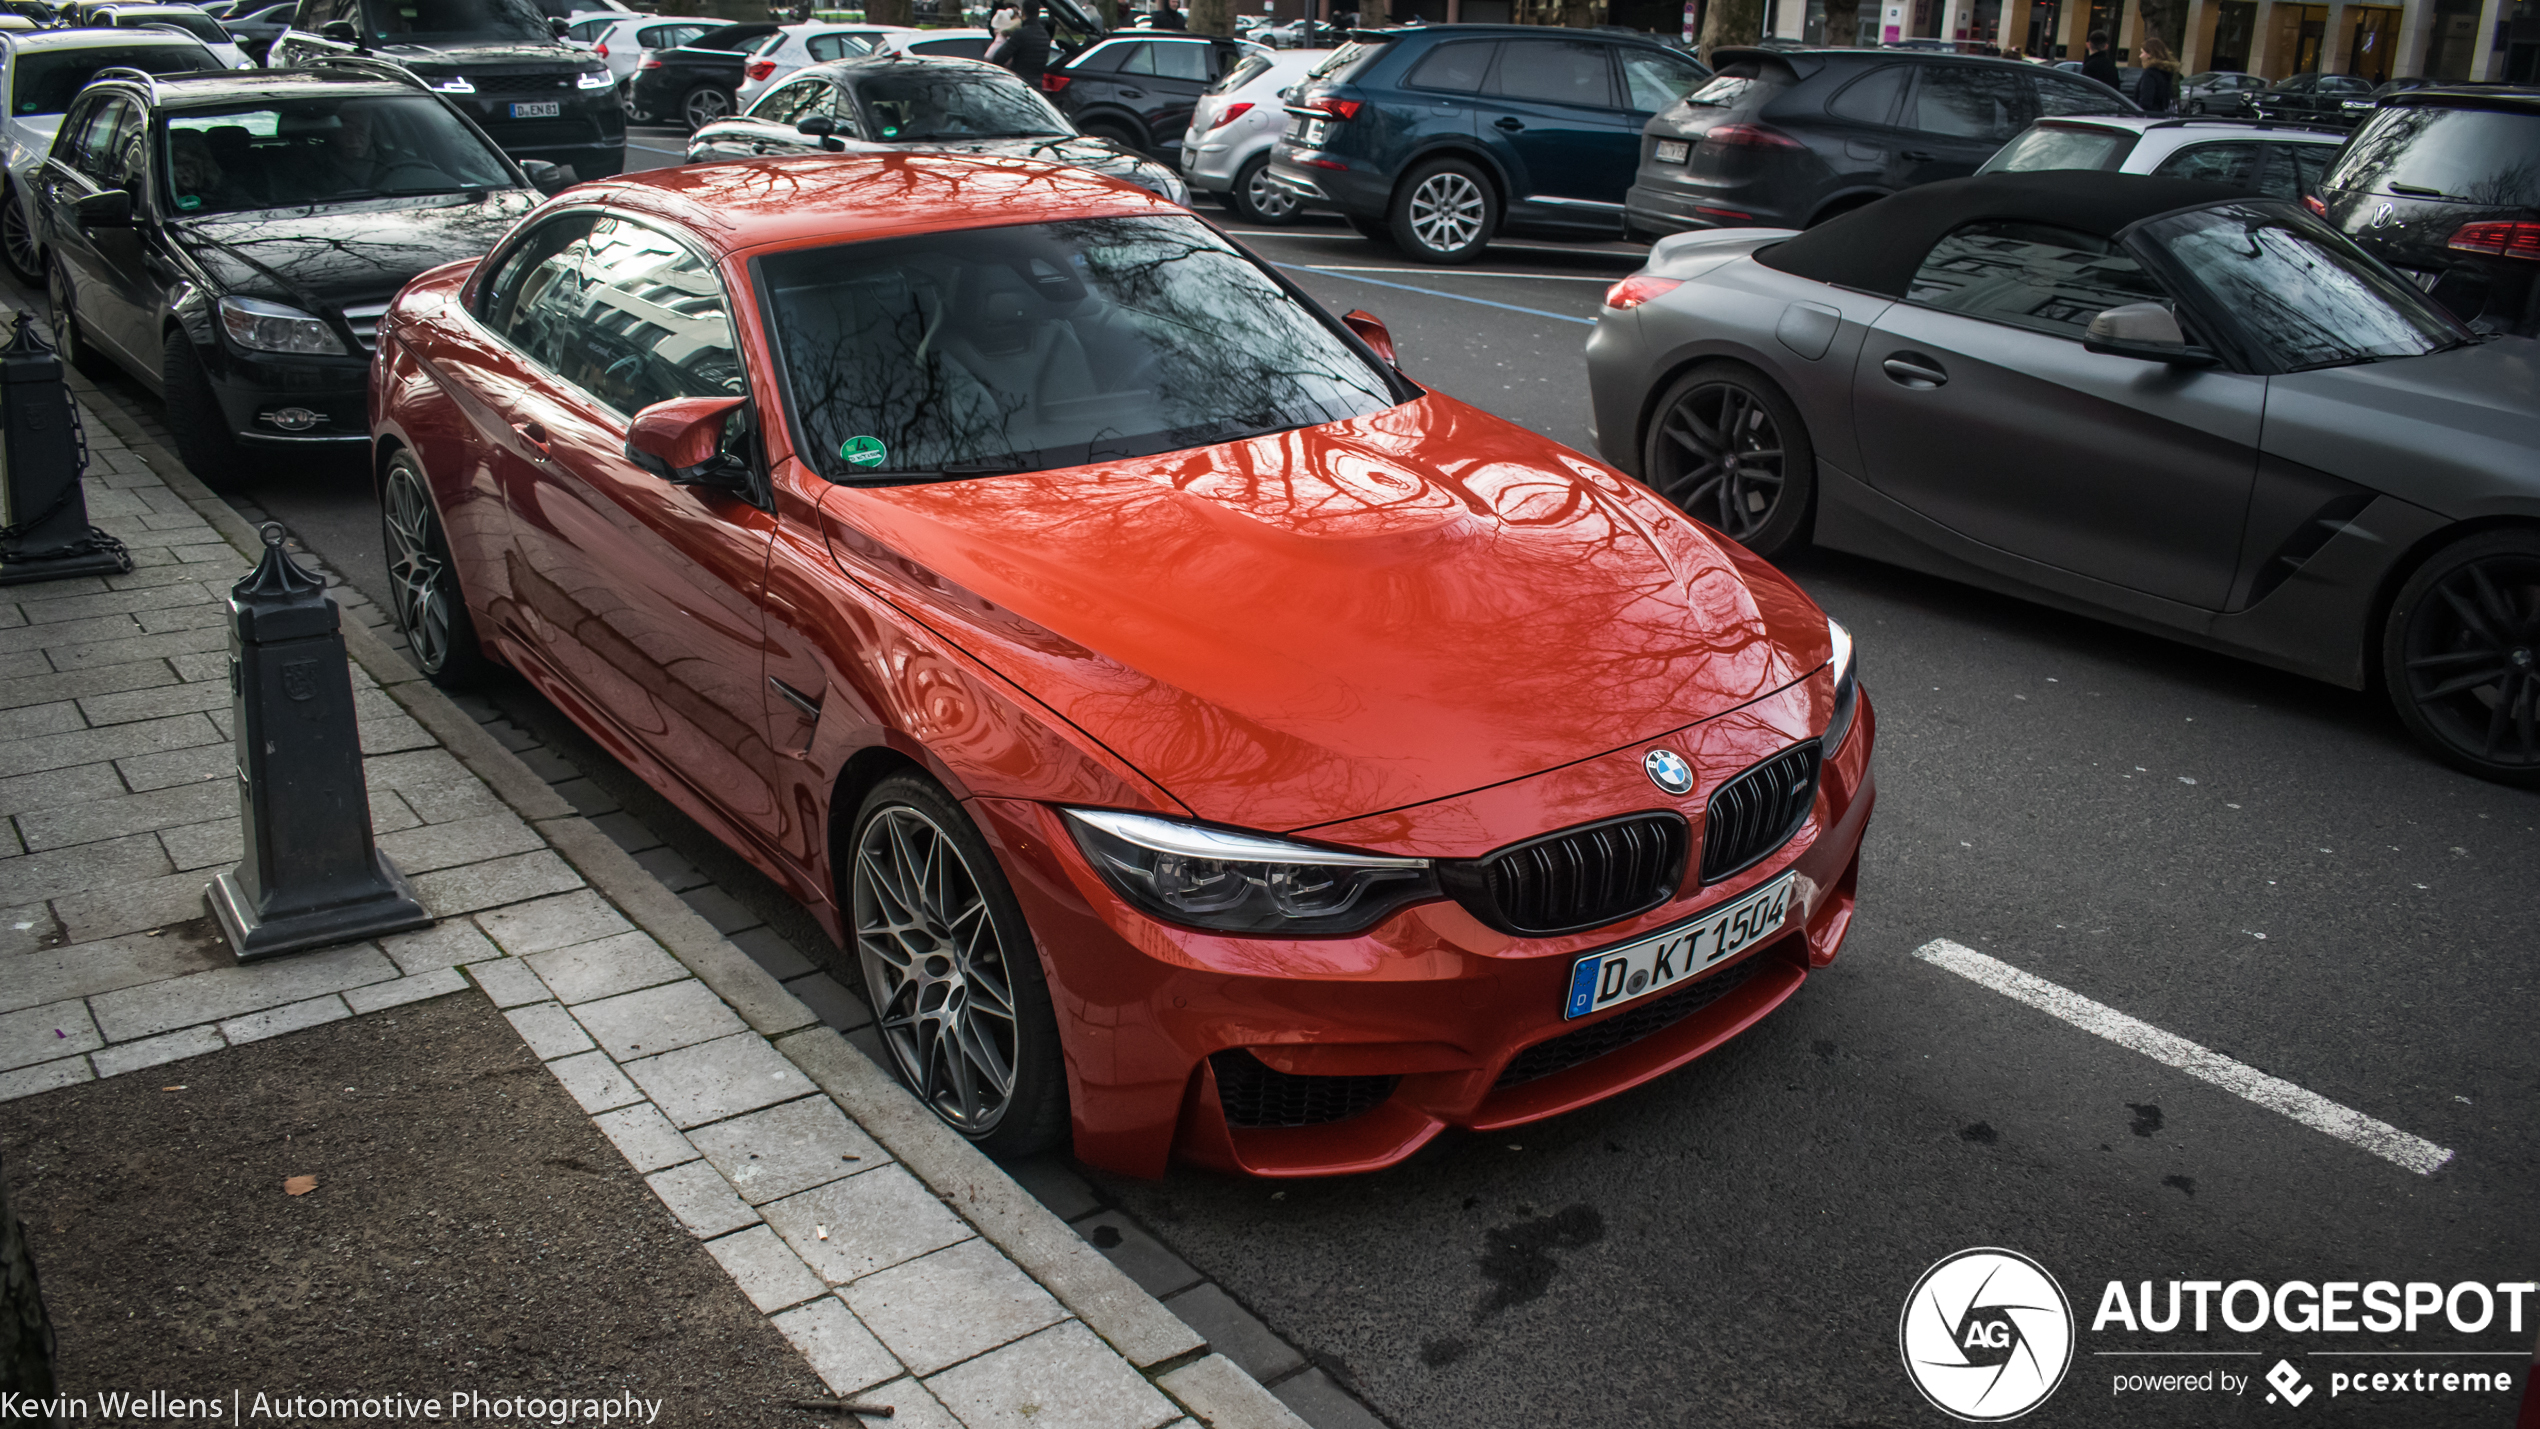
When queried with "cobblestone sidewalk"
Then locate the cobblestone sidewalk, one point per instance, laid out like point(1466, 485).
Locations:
point(906, 1268)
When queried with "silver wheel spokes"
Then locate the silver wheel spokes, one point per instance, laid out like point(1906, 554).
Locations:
point(2474, 668)
point(935, 969)
point(1728, 459)
point(415, 574)
point(1447, 211)
point(14, 233)
point(1268, 199)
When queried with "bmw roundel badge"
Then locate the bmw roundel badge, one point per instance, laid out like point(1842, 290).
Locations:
point(1668, 770)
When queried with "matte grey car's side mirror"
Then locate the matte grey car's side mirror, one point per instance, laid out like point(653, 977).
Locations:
point(2148, 332)
point(823, 128)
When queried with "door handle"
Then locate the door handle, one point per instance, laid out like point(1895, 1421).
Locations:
point(1912, 369)
point(1509, 123)
point(535, 435)
point(1918, 156)
point(1133, 94)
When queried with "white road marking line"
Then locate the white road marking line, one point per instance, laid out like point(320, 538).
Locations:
point(2412, 1153)
point(1303, 234)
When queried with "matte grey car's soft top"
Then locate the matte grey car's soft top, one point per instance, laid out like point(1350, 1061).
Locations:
point(2190, 410)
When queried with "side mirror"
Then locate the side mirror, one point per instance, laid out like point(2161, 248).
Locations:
point(558, 27)
point(824, 128)
point(111, 209)
point(2147, 332)
point(681, 440)
point(545, 177)
point(1371, 331)
point(340, 31)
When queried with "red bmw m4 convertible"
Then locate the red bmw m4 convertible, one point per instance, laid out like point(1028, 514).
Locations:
point(1205, 742)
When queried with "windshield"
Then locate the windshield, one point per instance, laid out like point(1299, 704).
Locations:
point(2054, 146)
point(321, 151)
point(416, 21)
point(1048, 345)
point(935, 105)
point(193, 22)
point(2302, 294)
point(2480, 156)
point(43, 81)
point(1345, 61)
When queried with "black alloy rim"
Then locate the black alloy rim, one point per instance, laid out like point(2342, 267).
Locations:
point(935, 969)
point(2470, 654)
point(1722, 459)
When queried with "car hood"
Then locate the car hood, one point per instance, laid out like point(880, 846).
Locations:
point(345, 253)
point(2457, 432)
point(486, 52)
point(1342, 620)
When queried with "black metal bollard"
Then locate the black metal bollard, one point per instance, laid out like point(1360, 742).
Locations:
point(46, 535)
point(312, 875)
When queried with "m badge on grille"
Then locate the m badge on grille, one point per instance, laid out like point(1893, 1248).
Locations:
point(1668, 770)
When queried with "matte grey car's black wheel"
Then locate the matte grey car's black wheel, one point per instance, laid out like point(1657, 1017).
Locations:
point(196, 422)
point(2461, 655)
point(423, 582)
point(704, 105)
point(952, 972)
point(1257, 199)
point(18, 247)
point(1729, 448)
point(1444, 212)
point(68, 341)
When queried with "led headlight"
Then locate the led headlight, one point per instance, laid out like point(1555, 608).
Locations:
point(1235, 882)
point(451, 84)
point(260, 326)
point(1847, 688)
point(594, 79)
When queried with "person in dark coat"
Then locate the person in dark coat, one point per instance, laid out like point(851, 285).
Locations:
point(2101, 63)
point(1027, 49)
point(2157, 91)
point(1168, 18)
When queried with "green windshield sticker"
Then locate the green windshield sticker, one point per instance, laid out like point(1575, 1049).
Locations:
point(862, 451)
point(189, 202)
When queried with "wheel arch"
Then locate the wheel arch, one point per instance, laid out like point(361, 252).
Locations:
point(2407, 564)
point(1683, 360)
point(1455, 147)
point(1118, 117)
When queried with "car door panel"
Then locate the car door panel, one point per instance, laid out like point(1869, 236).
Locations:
point(1553, 119)
point(1957, 116)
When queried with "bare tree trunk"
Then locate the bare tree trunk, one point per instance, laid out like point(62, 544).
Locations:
point(1843, 22)
point(1731, 22)
point(887, 12)
point(1211, 17)
point(1373, 14)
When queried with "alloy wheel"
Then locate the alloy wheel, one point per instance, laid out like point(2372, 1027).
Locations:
point(1728, 468)
point(17, 239)
point(706, 106)
point(418, 576)
point(1448, 210)
point(2471, 660)
point(935, 968)
point(1269, 202)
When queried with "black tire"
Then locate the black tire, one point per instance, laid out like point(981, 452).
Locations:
point(635, 113)
point(1115, 133)
point(705, 104)
point(1728, 448)
point(423, 581)
point(1444, 211)
point(195, 419)
point(2460, 655)
point(68, 341)
point(1378, 229)
point(1256, 200)
point(18, 247)
point(910, 1006)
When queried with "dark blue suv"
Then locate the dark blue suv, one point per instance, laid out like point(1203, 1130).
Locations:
point(1439, 136)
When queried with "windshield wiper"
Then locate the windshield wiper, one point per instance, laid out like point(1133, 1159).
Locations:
point(2417, 190)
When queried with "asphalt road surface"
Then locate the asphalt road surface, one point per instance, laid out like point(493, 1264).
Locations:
point(2180, 846)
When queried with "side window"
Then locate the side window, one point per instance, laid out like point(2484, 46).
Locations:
point(791, 103)
point(551, 254)
point(838, 47)
point(1137, 59)
point(2030, 275)
point(1457, 68)
point(1871, 99)
point(1182, 60)
point(1963, 102)
point(94, 154)
point(636, 319)
point(1103, 58)
point(1555, 72)
point(125, 167)
point(2235, 164)
point(2062, 96)
point(72, 137)
point(963, 47)
point(589, 30)
point(312, 14)
point(1654, 79)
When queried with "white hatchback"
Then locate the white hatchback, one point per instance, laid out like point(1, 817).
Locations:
point(809, 44)
point(1236, 124)
point(39, 72)
point(184, 19)
point(2279, 160)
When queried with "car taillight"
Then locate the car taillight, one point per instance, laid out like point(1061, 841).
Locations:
point(761, 69)
point(2317, 208)
point(1638, 289)
point(1054, 82)
point(603, 50)
point(1233, 113)
point(1747, 136)
point(2500, 239)
point(1338, 108)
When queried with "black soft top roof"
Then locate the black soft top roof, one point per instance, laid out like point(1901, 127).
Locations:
point(1876, 249)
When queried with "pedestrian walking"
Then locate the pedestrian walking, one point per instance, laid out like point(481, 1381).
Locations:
point(2099, 63)
point(2157, 91)
point(1168, 18)
point(1027, 51)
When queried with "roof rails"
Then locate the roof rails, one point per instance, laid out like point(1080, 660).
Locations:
point(370, 65)
point(128, 75)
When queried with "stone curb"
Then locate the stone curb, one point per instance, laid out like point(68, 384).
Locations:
point(1151, 1337)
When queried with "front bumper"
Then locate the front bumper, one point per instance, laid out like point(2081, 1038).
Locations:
point(253, 388)
point(1411, 1028)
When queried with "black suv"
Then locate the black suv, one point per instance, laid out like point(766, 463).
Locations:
point(1138, 89)
point(1790, 138)
point(1439, 136)
point(694, 84)
point(2334, 99)
point(2443, 184)
point(234, 239)
point(500, 62)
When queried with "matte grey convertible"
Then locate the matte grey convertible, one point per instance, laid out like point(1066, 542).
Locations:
point(2207, 416)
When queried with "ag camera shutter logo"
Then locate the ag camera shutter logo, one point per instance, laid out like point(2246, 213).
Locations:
point(1986, 1335)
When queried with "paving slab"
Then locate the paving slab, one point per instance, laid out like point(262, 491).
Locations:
point(380, 996)
point(1235, 1332)
point(45, 975)
point(47, 1033)
point(702, 1200)
point(768, 1271)
point(842, 1352)
point(151, 1051)
point(787, 1149)
point(289, 1018)
point(868, 1222)
point(534, 927)
point(658, 1019)
point(586, 972)
point(714, 1080)
point(44, 1077)
point(233, 991)
point(941, 1309)
point(443, 945)
point(595, 1081)
point(549, 1030)
point(645, 1137)
point(1065, 1377)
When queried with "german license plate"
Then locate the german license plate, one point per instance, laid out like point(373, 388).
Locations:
point(1673, 151)
point(539, 109)
point(1308, 132)
point(1661, 960)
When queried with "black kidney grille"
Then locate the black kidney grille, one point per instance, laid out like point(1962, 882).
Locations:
point(1758, 811)
point(1621, 1030)
point(1254, 1094)
point(1585, 877)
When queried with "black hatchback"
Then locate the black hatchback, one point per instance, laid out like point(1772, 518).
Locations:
point(1790, 138)
point(696, 83)
point(1138, 90)
point(2443, 184)
point(1440, 136)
